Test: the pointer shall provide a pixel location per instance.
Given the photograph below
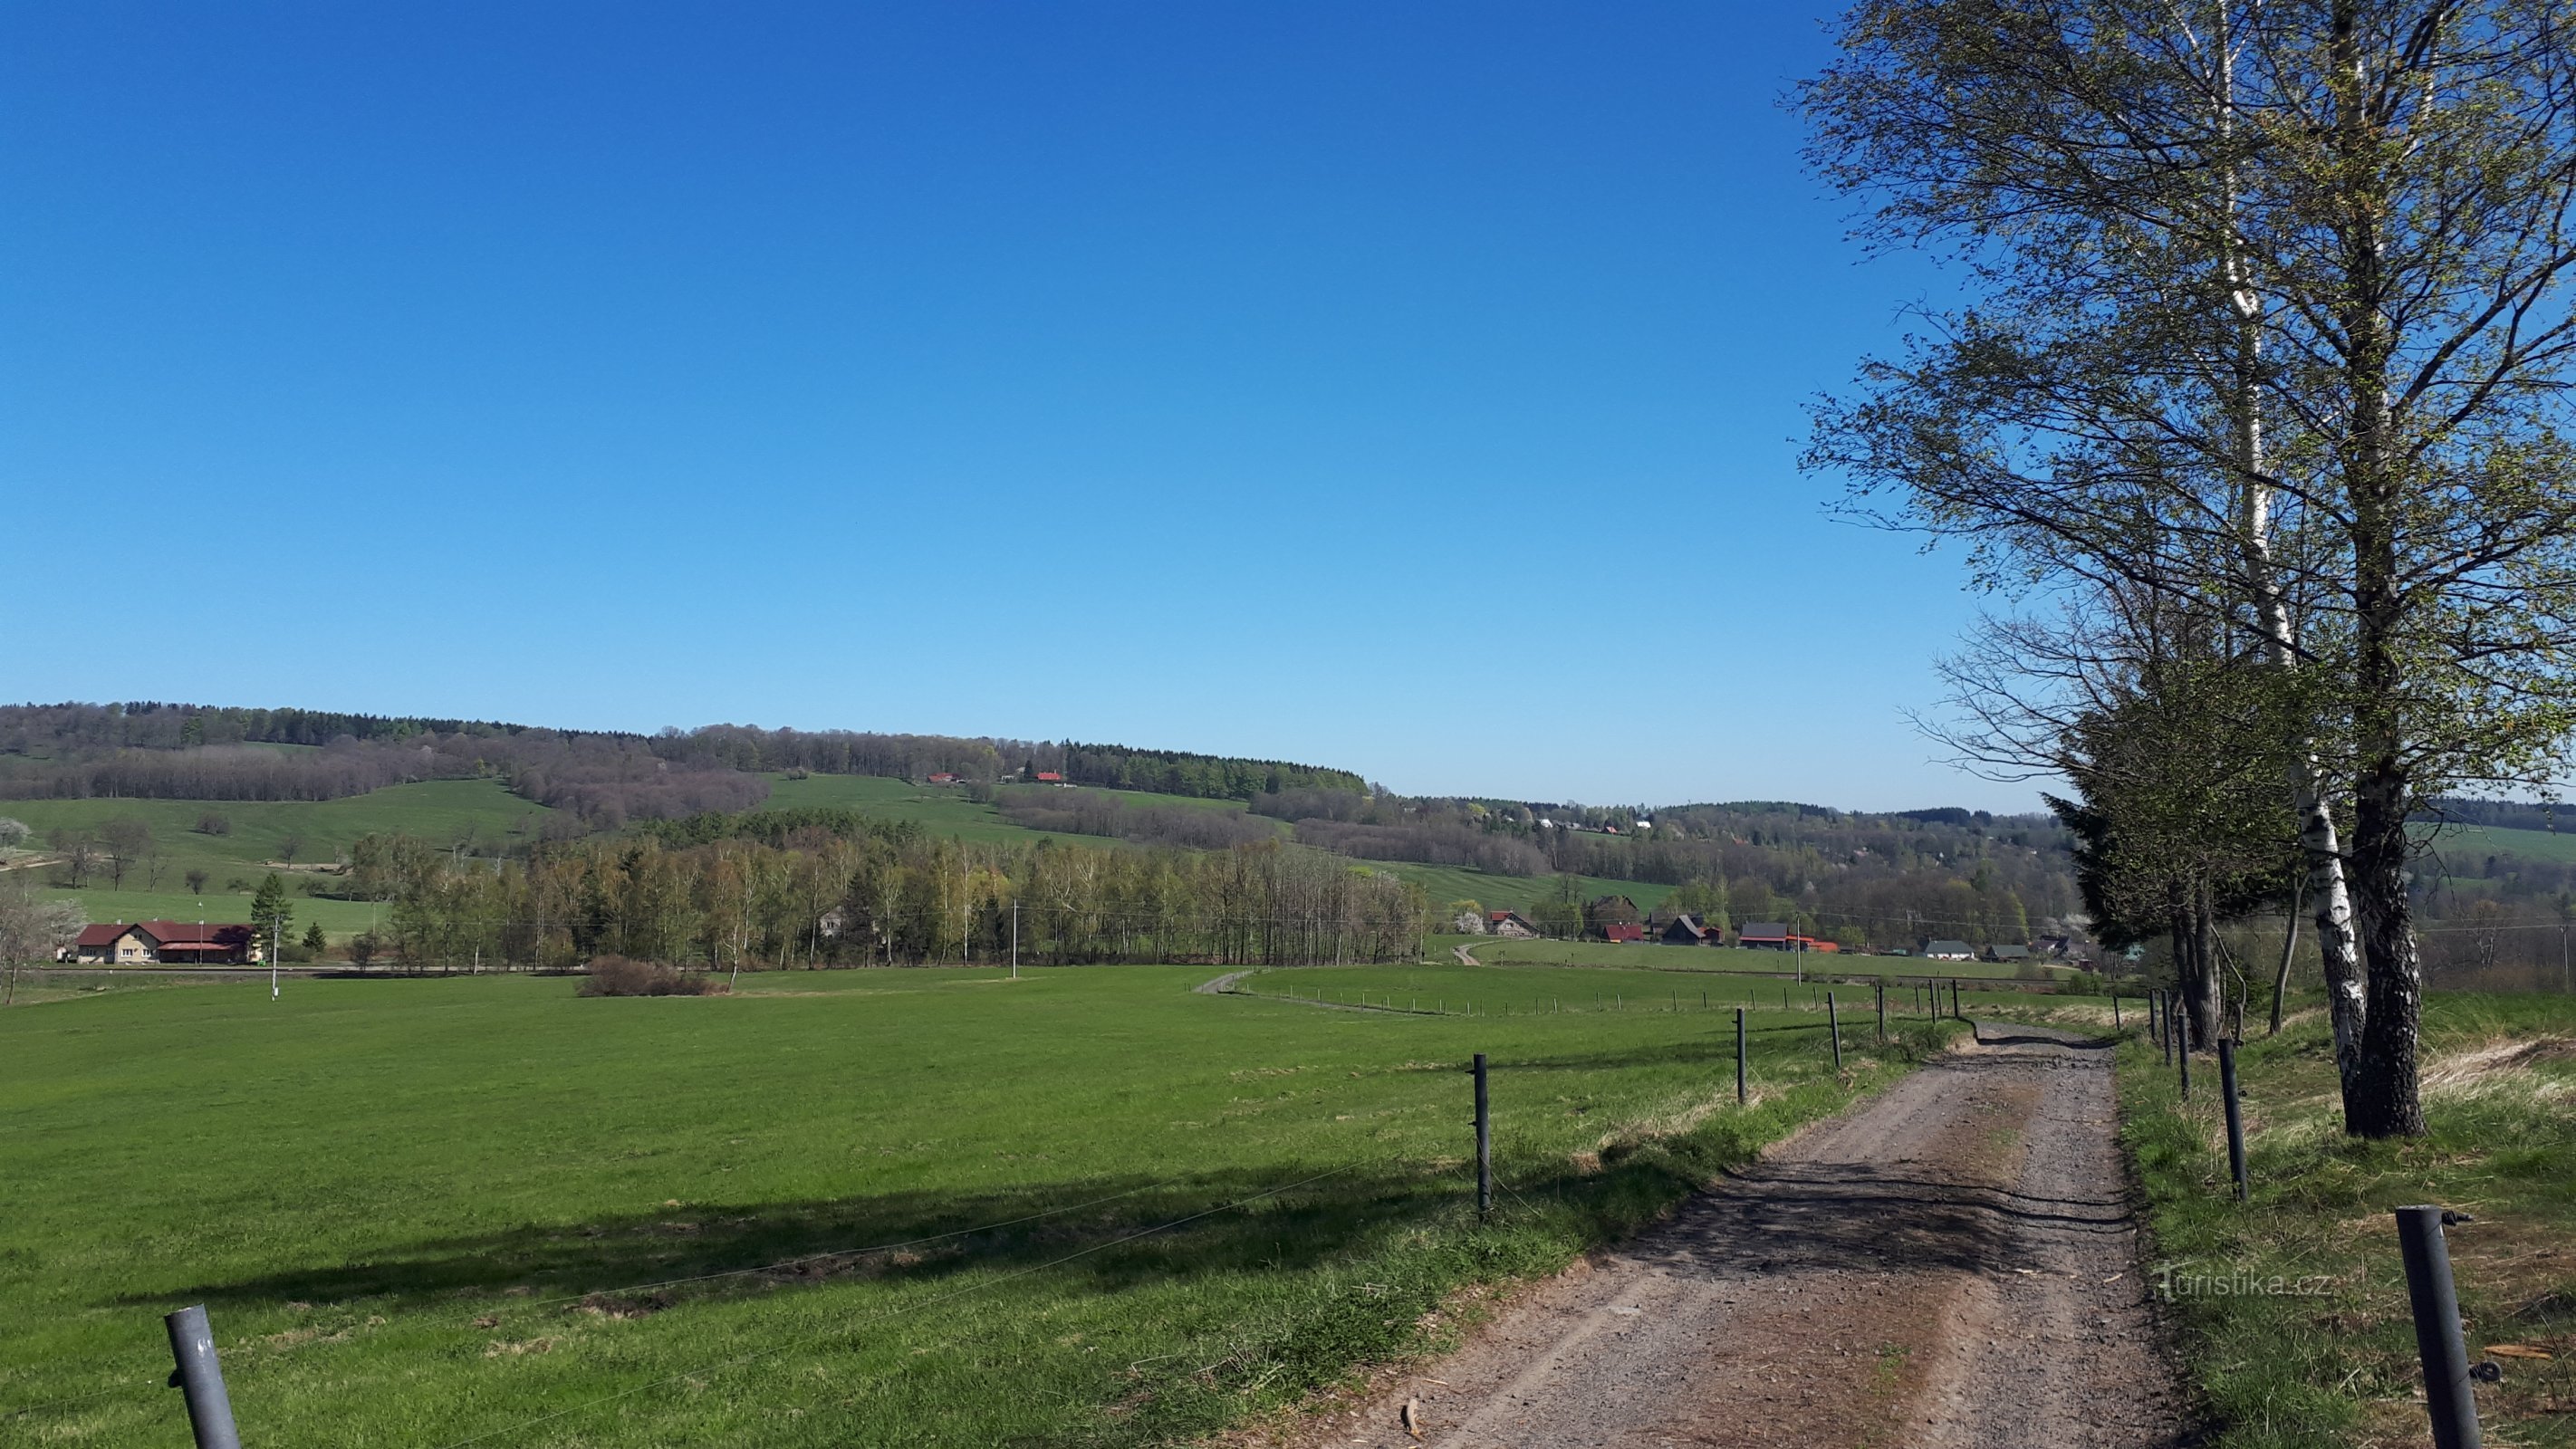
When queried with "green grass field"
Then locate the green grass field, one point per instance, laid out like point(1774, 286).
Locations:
point(2464, 848)
point(1497, 951)
point(1446, 883)
point(1103, 1210)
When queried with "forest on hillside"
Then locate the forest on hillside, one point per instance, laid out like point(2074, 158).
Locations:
point(1864, 879)
point(603, 779)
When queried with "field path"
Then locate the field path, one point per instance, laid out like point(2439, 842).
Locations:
point(1950, 1264)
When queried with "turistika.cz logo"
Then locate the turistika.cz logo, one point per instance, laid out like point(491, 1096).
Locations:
point(2188, 1280)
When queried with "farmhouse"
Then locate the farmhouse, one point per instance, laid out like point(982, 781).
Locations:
point(167, 943)
point(1685, 929)
point(2007, 953)
point(1948, 951)
point(943, 778)
point(1613, 918)
point(1512, 925)
point(1049, 777)
point(1763, 936)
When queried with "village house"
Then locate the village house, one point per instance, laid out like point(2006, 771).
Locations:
point(1685, 929)
point(167, 943)
point(2007, 953)
point(1613, 918)
point(1511, 925)
point(1948, 951)
point(1764, 936)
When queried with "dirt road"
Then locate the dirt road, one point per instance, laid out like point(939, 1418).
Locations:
point(1951, 1264)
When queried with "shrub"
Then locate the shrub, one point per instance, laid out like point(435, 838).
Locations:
point(618, 976)
point(211, 823)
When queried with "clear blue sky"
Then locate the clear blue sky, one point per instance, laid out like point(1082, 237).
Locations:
point(1408, 388)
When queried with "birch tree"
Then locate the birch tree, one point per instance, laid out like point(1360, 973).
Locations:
point(2266, 295)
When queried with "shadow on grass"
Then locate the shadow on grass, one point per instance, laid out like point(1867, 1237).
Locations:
point(1116, 1231)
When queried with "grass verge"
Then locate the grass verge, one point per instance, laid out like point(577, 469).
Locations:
point(2291, 1308)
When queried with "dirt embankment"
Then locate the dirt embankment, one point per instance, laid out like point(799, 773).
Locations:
point(1952, 1264)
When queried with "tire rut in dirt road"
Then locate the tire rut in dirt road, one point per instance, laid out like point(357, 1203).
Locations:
point(1950, 1264)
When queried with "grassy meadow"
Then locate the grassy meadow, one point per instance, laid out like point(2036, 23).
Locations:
point(2464, 848)
point(1089, 1207)
point(947, 811)
point(2324, 1355)
point(1498, 951)
point(477, 814)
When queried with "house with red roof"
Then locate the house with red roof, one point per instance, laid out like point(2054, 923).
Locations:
point(167, 943)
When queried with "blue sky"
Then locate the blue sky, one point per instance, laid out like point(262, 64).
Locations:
point(1408, 388)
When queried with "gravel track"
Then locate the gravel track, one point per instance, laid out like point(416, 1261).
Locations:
point(1952, 1263)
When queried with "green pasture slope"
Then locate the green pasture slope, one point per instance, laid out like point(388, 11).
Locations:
point(1107, 1210)
point(949, 812)
point(1500, 951)
point(946, 810)
point(2464, 848)
point(475, 813)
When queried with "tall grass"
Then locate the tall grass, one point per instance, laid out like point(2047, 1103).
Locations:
point(2292, 1308)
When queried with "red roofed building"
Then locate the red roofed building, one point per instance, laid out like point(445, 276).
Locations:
point(167, 943)
point(1048, 777)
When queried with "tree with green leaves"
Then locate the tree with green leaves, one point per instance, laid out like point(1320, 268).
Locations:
point(2268, 297)
point(269, 915)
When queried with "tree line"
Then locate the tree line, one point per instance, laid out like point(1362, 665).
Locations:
point(791, 889)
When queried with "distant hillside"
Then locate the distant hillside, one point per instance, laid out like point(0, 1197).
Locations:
point(152, 750)
point(2503, 814)
point(1886, 880)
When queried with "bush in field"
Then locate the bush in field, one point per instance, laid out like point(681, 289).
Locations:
point(618, 976)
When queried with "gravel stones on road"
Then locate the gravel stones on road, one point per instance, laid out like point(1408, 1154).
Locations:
point(1952, 1263)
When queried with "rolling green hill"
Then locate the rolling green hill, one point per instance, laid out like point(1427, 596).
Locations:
point(2469, 845)
point(479, 815)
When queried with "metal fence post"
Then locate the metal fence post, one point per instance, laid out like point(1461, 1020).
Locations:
point(2447, 1397)
point(1834, 1025)
point(201, 1379)
point(1739, 1056)
point(2235, 1116)
point(1484, 1144)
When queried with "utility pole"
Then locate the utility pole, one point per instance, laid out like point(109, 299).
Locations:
point(276, 948)
point(1015, 938)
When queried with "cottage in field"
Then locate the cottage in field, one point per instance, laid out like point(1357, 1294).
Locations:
point(1765, 936)
point(1511, 925)
point(943, 778)
point(1948, 951)
point(1613, 918)
point(2013, 955)
point(167, 943)
point(1685, 929)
